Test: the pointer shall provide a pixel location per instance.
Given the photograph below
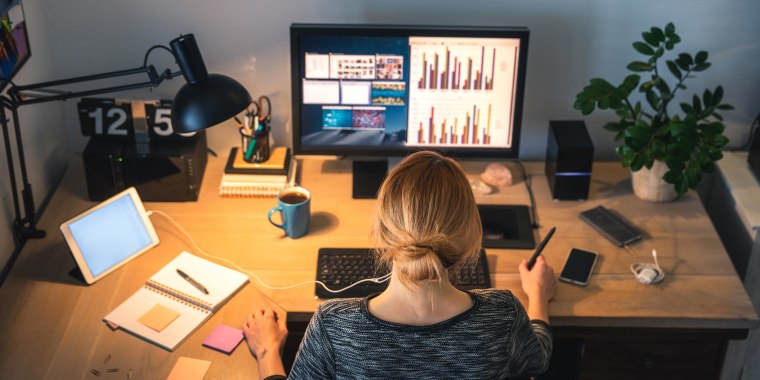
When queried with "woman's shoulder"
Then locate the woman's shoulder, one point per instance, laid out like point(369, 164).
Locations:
point(340, 306)
point(494, 297)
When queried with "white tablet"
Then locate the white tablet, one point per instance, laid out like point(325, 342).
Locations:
point(109, 235)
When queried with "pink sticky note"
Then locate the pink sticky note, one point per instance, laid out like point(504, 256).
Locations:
point(224, 338)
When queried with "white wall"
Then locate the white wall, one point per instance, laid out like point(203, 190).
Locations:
point(571, 41)
point(43, 129)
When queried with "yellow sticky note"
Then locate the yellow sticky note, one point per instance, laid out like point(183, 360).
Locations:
point(189, 369)
point(158, 317)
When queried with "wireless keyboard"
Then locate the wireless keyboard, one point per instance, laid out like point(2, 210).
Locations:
point(340, 267)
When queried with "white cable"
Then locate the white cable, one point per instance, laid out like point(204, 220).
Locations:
point(648, 273)
point(377, 280)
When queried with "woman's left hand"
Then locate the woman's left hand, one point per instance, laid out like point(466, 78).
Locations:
point(264, 333)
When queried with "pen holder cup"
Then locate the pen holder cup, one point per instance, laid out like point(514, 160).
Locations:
point(255, 147)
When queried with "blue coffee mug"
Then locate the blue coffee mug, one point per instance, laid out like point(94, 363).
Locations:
point(293, 205)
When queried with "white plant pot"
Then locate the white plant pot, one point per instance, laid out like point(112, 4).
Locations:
point(648, 184)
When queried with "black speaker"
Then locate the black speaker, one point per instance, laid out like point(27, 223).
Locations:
point(754, 153)
point(569, 157)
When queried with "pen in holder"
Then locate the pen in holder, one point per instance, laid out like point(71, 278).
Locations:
point(255, 142)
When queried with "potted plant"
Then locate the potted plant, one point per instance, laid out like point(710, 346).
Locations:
point(655, 143)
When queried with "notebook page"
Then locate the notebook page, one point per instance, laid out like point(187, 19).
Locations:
point(129, 312)
point(220, 281)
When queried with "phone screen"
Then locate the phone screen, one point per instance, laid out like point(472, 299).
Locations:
point(579, 266)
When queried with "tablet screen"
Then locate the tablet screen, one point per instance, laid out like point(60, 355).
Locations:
point(106, 236)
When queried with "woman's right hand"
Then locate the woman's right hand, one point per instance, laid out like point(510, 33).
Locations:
point(539, 282)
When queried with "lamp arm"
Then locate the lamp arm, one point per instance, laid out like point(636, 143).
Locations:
point(41, 92)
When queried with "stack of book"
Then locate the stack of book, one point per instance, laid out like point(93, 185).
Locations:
point(260, 180)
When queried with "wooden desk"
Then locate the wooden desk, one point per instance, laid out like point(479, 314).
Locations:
point(51, 326)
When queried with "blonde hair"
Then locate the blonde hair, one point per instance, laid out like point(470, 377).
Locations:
point(426, 220)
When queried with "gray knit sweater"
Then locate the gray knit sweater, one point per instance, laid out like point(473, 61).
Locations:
point(494, 339)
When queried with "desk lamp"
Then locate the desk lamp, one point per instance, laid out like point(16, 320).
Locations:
point(205, 100)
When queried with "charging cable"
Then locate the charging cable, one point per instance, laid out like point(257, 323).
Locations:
point(648, 273)
point(377, 280)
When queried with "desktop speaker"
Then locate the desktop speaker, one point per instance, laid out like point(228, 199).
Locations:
point(161, 171)
point(569, 157)
point(754, 153)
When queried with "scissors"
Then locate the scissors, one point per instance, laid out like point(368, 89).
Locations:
point(258, 108)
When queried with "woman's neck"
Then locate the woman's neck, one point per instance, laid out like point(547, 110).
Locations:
point(419, 305)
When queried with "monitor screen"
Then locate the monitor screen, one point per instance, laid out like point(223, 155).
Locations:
point(14, 42)
point(371, 90)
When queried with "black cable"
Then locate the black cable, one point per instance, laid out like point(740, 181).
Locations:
point(145, 60)
point(528, 186)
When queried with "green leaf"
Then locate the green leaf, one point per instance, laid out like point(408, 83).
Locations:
point(682, 63)
point(663, 87)
point(674, 69)
point(652, 99)
point(657, 34)
point(714, 128)
point(725, 107)
point(687, 108)
point(670, 29)
point(682, 185)
point(717, 116)
point(659, 149)
point(650, 39)
point(701, 57)
point(702, 66)
point(643, 48)
point(718, 95)
point(587, 108)
point(686, 58)
point(629, 83)
point(669, 45)
point(646, 86)
point(707, 98)
point(672, 176)
point(638, 162)
point(639, 66)
point(658, 53)
point(695, 102)
point(675, 38)
point(627, 155)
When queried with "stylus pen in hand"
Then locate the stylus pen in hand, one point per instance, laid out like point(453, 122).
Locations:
point(192, 281)
point(540, 248)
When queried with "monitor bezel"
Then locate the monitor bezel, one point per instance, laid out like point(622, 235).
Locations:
point(298, 30)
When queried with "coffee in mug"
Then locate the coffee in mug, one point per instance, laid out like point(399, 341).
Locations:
point(293, 204)
point(293, 198)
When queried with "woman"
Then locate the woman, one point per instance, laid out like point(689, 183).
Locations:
point(426, 224)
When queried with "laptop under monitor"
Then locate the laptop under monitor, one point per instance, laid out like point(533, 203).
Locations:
point(109, 235)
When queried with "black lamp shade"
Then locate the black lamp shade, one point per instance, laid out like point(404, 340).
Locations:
point(210, 102)
point(206, 99)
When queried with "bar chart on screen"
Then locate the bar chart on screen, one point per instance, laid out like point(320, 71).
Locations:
point(461, 91)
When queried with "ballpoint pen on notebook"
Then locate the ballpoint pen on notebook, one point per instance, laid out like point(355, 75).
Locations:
point(192, 281)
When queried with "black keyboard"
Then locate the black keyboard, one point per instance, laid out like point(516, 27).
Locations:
point(341, 267)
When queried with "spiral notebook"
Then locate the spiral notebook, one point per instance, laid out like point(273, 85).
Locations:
point(170, 292)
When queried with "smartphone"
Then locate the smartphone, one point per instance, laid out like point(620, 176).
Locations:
point(579, 266)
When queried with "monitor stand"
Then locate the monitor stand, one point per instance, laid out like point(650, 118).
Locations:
point(367, 178)
point(506, 226)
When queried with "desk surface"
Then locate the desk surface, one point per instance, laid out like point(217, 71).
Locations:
point(51, 326)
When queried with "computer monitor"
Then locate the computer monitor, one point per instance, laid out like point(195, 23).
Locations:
point(388, 90)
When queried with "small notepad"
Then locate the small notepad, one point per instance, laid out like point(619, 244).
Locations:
point(189, 369)
point(158, 317)
point(224, 338)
